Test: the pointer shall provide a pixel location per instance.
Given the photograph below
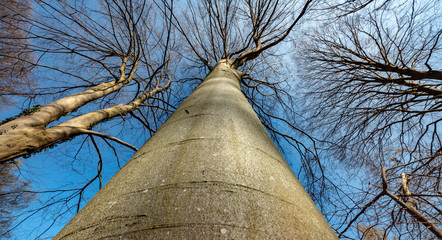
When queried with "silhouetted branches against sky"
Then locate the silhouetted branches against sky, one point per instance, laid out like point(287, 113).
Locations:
point(14, 196)
point(248, 33)
point(14, 77)
point(239, 30)
point(15, 69)
point(115, 60)
point(114, 55)
point(94, 62)
point(375, 84)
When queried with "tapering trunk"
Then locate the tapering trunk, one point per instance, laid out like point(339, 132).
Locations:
point(210, 172)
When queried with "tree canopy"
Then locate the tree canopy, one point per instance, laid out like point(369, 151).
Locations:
point(374, 82)
point(347, 89)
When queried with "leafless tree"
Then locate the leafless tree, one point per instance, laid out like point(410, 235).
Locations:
point(246, 33)
point(14, 70)
point(231, 42)
point(94, 62)
point(118, 56)
point(14, 195)
point(375, 81)
point(113, 62)
point(14, 78)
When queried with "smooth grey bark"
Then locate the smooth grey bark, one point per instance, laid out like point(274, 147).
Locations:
point(210, 172)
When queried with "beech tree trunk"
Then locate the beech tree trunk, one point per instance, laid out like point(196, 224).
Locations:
point(210, 172)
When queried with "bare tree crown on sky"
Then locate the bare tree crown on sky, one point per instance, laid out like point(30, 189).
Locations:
point(374, 80)
point(101, 78)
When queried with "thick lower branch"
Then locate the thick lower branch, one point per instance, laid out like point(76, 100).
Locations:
point(21, 139)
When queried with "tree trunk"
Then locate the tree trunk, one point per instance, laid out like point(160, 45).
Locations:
point(210, 172)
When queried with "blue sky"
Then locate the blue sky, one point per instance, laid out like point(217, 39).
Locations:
point(72, 164)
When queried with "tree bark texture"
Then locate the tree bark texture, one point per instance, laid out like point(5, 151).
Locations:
point(210, 172)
